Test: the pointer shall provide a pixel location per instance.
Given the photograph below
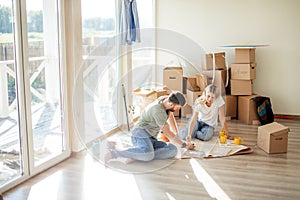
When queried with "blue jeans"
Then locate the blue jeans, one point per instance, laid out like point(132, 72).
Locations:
point(201, 131)
point(146, 147)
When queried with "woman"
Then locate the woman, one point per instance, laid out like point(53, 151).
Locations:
point(207, 108)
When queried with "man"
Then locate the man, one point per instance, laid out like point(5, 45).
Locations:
point(157, 116)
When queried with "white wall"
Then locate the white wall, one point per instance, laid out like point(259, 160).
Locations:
point(212, 23)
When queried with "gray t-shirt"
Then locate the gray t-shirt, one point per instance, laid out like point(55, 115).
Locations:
point(153, 117)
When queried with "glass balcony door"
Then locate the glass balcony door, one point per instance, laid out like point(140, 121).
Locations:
point(33, 109)
point(13, 166)
point(44, 81)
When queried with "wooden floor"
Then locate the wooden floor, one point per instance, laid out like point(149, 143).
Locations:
point(252, 176)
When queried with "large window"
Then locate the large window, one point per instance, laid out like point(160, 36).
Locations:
point(32, 113)
point(107, 64)
point(100, 67)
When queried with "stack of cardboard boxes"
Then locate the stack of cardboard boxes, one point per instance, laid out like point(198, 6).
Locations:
point(237, 95)
point(221, 76)
point(243, 72)
point(193, 87)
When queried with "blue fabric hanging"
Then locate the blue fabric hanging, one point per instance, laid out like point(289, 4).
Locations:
point(129, 23)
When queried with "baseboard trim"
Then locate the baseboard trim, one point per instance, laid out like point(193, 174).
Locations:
point(285, 116)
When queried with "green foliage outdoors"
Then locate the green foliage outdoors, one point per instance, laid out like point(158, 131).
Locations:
point(34, 20)
point(5, 20)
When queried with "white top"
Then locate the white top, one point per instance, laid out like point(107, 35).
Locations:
point(209, 115)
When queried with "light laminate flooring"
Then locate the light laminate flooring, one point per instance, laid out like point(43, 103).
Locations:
point(252, 176)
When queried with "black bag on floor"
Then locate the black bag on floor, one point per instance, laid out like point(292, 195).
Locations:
point(264, 109)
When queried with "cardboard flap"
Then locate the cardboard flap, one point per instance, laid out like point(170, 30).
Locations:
point(143, 92)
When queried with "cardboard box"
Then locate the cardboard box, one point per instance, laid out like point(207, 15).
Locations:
point(150, 93)
point(190, 83)
point(201, 81)
point(243, 71)
point(143, 92)
point(219, 61)
point(158, 93)
point(144, 97)
point(273, 138)
point(220, 78)
point(230, 106)
point(241, 87)
point(172, 78)
point(192, 96)
point(177, 113)
point(247, 112)
point(245, 55)
point(186, 111)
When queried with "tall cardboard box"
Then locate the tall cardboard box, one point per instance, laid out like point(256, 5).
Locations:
point(186, 111)
point(273, 138)
point(243, 71)
point(241, 87)
point(219, 61)
point(191, 97)
point(244, 55)
point(219, 78)
point(247, 112)
point(230, 106)
point(201, 81)
point(172, 78)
